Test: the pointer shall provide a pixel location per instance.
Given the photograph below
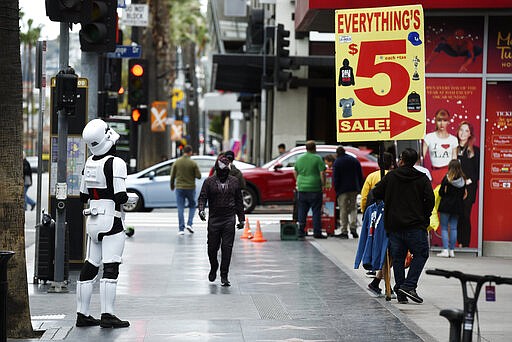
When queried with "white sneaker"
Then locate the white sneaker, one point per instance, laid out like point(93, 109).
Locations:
point(181, 232)
point(189, 228)
point(444, 254)
point(451, 253)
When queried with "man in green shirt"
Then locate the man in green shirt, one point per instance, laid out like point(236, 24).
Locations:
point(183, 178)
point(309, 174)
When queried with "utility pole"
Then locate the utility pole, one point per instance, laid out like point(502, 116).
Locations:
point(58, 284)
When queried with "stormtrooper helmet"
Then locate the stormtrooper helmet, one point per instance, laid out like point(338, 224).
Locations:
point(99, 137)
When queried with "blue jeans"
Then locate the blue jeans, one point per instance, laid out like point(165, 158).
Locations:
point(190, 196)
point(305, 201)
point(28, 200)
point(415, 240)
point(447, 219)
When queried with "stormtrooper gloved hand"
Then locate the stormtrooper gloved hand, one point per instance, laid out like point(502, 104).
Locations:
point(240, 225)
point(202, 215)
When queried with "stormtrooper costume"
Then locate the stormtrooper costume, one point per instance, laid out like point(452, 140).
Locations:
point(103, 186)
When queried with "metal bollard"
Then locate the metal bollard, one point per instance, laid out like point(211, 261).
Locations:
point(4, 258)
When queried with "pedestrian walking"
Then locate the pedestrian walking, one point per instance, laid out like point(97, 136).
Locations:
point(386, 163)
point(103, 187)
point(348, 181)
point(223, 195)
point(27, 182)
point(409, 200)
point(310, 178)
point(451, 207)
point(184, 173)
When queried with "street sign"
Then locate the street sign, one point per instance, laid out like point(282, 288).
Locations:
point(380, 73)
point(136, 15)
point(126, 51)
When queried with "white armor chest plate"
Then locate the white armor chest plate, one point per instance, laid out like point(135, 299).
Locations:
point(94, 175)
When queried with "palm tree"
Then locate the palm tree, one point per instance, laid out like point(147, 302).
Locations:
point(11, 176)
point(29, 40)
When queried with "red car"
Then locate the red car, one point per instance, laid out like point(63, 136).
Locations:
point(274, 182)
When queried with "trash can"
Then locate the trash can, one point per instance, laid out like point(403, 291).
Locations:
point(4, 258)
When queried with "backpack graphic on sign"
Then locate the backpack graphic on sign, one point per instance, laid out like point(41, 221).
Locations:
point(413, 102)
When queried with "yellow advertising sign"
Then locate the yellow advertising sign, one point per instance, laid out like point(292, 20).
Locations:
point(177, 96)
point(380, 73)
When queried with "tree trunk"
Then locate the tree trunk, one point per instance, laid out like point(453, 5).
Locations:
point(12, 232)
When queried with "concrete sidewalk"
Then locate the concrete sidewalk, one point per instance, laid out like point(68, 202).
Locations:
point(281, 291)
point(439, 292)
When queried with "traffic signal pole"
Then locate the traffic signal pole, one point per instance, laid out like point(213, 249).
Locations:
point(58, 285)
point(90, 71)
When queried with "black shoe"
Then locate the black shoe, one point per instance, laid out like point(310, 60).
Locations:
point(355, 235)
point(342, 236)
point(111, 321)
point(32, 207)
point(401, 298)
point(212, 275)
point(86, 321)
point(411, 294)
point(320, 236)
point(224, 281)
point(374, 289)
point(371, 274)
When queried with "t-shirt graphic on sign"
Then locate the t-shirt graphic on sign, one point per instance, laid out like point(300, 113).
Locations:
point(413, 102)
point(346, 77)
point(347, 105)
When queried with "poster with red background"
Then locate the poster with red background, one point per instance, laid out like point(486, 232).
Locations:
point(499, 50)
point(453, 44)
point(462, 99)
point(498, 163)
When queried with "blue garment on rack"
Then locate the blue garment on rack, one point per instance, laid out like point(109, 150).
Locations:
point(373, 240)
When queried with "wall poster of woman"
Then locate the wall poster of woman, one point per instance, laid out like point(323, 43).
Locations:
point(469, 156)
point(453, 132)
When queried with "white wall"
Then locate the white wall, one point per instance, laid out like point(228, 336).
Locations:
point(290, 107)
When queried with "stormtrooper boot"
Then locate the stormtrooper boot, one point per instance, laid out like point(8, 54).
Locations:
point(108, 296)
point(83, 298)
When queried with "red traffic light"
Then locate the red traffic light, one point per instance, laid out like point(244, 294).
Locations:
point(137, 70)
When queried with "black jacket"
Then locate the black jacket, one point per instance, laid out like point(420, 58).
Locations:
point(408, 198)
point(452, 196)
point(223, 199)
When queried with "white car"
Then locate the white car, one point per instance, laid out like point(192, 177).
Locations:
point(152, 185)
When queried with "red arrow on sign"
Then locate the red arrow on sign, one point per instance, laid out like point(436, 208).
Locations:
point(400, 123)
point(396, 124)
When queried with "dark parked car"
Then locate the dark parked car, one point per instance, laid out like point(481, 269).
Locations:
point(274, 182)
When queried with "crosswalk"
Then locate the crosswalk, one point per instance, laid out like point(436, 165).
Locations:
point(168, 218)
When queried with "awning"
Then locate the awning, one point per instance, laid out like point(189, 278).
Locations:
point(318, 15)
point(220, 102)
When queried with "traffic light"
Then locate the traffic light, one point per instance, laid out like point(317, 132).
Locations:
point(139, 115)
point(69, 11)
point(282, 59)
point(99, 33)
point(137, 82)
point(114, 70)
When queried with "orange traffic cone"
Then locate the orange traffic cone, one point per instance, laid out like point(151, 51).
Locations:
point(258, 235)
point(247, 234)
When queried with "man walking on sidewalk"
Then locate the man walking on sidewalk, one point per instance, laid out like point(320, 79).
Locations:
point(223, 195)
point(409, 200)
point(183, 178)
